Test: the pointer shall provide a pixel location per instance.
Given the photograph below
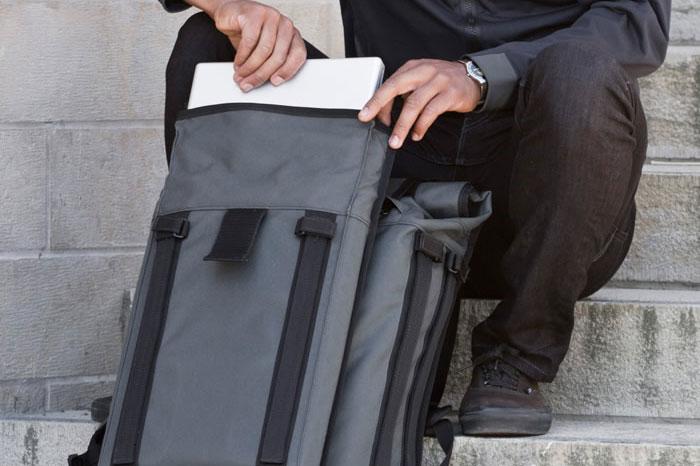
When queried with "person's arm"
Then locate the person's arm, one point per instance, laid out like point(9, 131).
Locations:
point(268, 46)
point(635, 32)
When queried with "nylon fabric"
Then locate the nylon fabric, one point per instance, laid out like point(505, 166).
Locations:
point(128, 352)
point(216, 357)
point(134, 406)
point(316, 232)
point(287, 158)
point(389, 349)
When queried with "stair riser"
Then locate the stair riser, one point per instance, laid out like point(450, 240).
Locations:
point(41, 443)
point(671, 100)
point(666, 246)
point(624, 360)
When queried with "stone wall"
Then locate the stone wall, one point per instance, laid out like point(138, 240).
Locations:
point(81, 164)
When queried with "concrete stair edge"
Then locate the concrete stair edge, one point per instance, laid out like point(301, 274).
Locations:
point(573, 440)
point(584, 441)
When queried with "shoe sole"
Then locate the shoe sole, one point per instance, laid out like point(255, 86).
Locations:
point(504, 422)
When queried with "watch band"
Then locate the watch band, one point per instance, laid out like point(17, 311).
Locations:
point(475, 73)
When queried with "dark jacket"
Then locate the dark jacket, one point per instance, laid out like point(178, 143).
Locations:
point(502, 36)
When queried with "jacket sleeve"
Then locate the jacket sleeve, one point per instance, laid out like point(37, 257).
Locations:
point(635, 32)
point(173, 6)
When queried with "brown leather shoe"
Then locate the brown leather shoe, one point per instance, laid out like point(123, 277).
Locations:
point(502, 401)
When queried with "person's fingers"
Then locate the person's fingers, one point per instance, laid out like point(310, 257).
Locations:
point(263, 49)
point(412, 108)
point(399, 83)
point(436, 107)
point(295, 60)
point(409, 65)
point(285, 36)
point(251, 26)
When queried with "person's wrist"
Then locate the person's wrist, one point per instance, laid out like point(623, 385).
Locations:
point(475, 75)
point(474, 99)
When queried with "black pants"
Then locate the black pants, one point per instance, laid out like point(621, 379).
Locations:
point(563, 166)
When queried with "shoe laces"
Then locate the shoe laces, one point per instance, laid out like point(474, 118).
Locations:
point(496, 372)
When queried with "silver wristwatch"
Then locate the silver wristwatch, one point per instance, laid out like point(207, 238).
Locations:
point(474, 72)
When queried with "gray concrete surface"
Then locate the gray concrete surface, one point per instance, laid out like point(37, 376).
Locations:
point(626, 358)
point(44, 441)
point(85, 60)
point(63, 315)
point(684, 22)
point(573, 441)
point(666, 246)
point(104, 184)
point(584, 441)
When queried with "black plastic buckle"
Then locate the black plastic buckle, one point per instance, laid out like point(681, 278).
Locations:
point(315, 226)
point(178, 227)
point(431, 247)
point(184, 229)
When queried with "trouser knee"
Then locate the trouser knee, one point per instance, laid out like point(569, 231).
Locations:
point(198, 41)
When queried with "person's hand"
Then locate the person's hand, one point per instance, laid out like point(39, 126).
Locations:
point(268, 46)
point(429, 88)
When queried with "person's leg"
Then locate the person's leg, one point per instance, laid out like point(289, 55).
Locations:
point(580, 142)
point(198, 41)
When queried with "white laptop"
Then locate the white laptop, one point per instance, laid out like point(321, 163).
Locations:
point(321, 83)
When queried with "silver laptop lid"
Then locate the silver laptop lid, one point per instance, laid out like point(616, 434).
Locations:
point(321, 83)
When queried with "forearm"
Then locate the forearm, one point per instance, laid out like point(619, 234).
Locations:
point(635, 33)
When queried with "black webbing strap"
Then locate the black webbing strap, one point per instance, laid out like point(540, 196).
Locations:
point(407, 187)
point(92, 456)
point(170, 226)
point(412, 315)
point(316, 230)
point(237, 234)
point(169, 230)
point(431, 247)
point(441, 426)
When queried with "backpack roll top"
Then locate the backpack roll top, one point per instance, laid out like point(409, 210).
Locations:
point(242, 310)
point(423, 245)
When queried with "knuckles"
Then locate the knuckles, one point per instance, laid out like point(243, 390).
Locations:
point(412, 103)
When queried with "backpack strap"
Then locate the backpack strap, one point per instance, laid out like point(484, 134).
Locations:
point(441, 426)
point(405, 187)
point(92, 456)
point(237, 234)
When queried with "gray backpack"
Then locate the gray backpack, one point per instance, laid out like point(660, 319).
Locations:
point(253, 340)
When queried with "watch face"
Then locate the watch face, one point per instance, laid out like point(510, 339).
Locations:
point(474, 70)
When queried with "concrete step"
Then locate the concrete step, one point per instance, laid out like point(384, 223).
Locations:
point(574, 441)
point(584, 441)
point(666, 247)
point(633, 353)
point(44, 440)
